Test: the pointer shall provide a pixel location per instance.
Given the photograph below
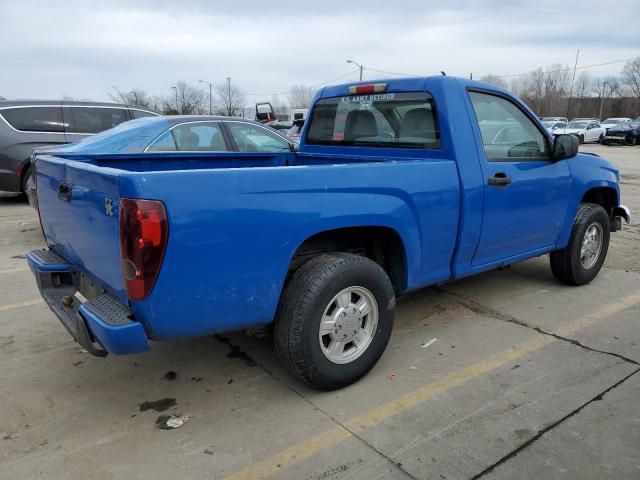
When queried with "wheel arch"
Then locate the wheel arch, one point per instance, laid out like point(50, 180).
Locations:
point(605, 196)
point(380, 243)
point(602, 192)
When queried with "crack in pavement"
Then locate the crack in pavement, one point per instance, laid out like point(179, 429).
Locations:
point(478, 308)
point(550, 427)
point(481, 309)
point(235, 348)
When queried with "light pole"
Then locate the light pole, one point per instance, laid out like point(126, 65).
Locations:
point(229, 96)
point(604, 92)
point(176, 90)
point(210, 85)
point(357, 65)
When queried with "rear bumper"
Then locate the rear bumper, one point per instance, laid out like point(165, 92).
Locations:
point(102, 324)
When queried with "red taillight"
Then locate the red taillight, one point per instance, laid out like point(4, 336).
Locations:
point(143, 239)
point(370, 88)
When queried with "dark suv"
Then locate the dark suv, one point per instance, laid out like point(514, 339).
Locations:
point(29, 124)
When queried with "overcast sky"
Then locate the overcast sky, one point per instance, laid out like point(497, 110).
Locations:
point(82, 49)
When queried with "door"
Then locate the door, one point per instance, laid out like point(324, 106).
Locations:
point(82, 121)
point(593, 132)
point(526, 194)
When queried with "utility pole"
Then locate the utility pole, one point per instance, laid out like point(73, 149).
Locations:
point(176, 90)
point(229, 96)
point(575, 67)
point(210, 85)
point(358, 65)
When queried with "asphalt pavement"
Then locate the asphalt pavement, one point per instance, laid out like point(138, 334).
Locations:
point(505, 375)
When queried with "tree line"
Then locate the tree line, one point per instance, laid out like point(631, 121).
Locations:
point(226, 99)
point(549, 91)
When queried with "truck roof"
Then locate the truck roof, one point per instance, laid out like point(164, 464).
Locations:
point(406, 84)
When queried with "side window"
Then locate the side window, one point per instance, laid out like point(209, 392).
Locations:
point(507, 133)
point(191, 137)
point(141, 113)
point(164, 143)
point(34, 119)
point(96, 119)
point(250, 138)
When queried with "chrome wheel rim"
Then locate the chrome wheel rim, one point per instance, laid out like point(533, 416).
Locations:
point(591, 246)
point(348, 325)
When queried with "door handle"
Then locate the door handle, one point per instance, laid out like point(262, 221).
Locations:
point(64, 192)
point(500, 179)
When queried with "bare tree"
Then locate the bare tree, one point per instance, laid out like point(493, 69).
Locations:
point(583, 85)
point(185, 99)
point(631, 76)
point(279, 107)
point(300, 96)
point(229, 99)
point(136, 97)
point(495, 80)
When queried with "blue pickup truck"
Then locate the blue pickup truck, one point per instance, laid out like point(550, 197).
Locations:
point(172, 227)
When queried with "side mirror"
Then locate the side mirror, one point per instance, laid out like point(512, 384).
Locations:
point(565, 146)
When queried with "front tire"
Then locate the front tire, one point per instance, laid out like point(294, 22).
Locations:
point(580, 139)
point(334, 320)
point(581, 260)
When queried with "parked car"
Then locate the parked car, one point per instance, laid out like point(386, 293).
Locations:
point(613, 122)
point(29, 124)
point(553, 125)
point(554, 119)
point(582, 119)
point(627, 133)
point(396, 185)
point(282, 125)
point(193, 133)
point(585, 130)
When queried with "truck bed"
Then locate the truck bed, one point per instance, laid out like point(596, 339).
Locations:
point(234, 231)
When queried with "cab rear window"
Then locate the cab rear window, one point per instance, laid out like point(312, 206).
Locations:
point(389, 120)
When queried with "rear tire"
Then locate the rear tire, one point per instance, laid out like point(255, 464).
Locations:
point(581, 260)
point(314, 296)
point(24, 180)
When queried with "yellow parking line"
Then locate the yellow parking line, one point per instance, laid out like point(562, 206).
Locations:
point(335, 435)
point(12, 306)
point(14, 270)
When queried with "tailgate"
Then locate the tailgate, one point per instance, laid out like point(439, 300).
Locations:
point(78, 204)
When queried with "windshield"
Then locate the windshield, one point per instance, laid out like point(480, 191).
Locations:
point(379, 120)
point(615, 121)
point(579, 125)
point(548, 124)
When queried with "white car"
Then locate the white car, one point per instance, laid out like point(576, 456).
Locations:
point(585, 130)
point(613, 122)
point(553, 125)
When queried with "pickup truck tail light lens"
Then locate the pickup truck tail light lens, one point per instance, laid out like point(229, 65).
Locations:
point(143, 240)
